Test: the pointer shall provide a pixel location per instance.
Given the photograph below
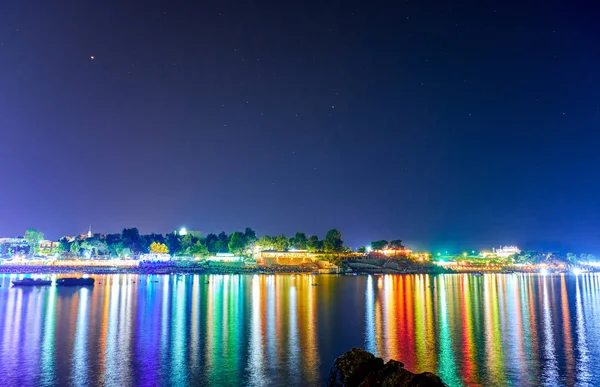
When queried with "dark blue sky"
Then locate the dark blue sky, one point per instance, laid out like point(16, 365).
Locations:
point(443, 124)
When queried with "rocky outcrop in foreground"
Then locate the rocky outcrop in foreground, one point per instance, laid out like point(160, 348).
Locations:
point(362, 369)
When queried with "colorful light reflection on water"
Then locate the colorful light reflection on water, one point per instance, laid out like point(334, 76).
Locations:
point(279, 330)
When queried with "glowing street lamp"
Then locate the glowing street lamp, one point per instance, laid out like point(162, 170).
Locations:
point(183, 231)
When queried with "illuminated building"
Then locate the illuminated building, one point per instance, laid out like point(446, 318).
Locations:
point(224, 257)
point(89, 234)
point(14, 242)
point(12, 246)
point(95, 262)
point(46, 246)
point(289, 257)
point(155, 257)
point(394, 252)
point(506, 251)
point(391, 252)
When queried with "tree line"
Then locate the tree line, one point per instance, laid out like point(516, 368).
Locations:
point(130, 243)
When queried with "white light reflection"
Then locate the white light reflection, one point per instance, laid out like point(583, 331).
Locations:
point(550, 370)
point(583, 359)
point(111, 375)
point(48, 356)
point(80, 366)
point(256, 365)
point(178, 352)
point(370, 316)
point(294, 353)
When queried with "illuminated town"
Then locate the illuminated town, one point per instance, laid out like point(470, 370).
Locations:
point(243, 252)
point(299, 193)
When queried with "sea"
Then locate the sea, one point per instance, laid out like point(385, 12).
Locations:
point(287, 330)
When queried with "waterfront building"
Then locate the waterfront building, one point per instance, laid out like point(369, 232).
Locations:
point(287, 257)
point(94, 262)
point(14, 242)
point(47, 246)
point(224, 257)
point(13, 246)
point(506, 251)
point(155, 257)
point(392, 252)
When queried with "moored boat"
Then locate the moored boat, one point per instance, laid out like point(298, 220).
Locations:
point(31, 282)
point(75, 282)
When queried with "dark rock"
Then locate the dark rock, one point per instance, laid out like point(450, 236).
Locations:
point(358, 368)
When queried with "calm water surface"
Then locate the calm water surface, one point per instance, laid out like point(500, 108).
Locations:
point(278, 330)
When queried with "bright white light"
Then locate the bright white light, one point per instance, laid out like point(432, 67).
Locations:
point(577, 271)
point(591, 263)
point(183, 231)
point(544, 271)
point(368, 249)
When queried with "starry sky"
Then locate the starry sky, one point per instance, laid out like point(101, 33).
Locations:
point(446, 124)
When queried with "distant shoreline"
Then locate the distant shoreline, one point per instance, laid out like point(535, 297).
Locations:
point(198, 269)
point(6, 269)
point(218, 270)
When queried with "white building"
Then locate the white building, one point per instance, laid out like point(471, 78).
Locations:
point(224, 257)
point(506, 251)
point(155, 257)
point(14, 242)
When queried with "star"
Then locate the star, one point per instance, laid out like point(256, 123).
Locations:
point(92, 57)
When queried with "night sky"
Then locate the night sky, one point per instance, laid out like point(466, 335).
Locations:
point(445, 124)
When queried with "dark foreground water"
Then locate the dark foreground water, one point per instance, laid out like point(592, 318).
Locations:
point(278, 330)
